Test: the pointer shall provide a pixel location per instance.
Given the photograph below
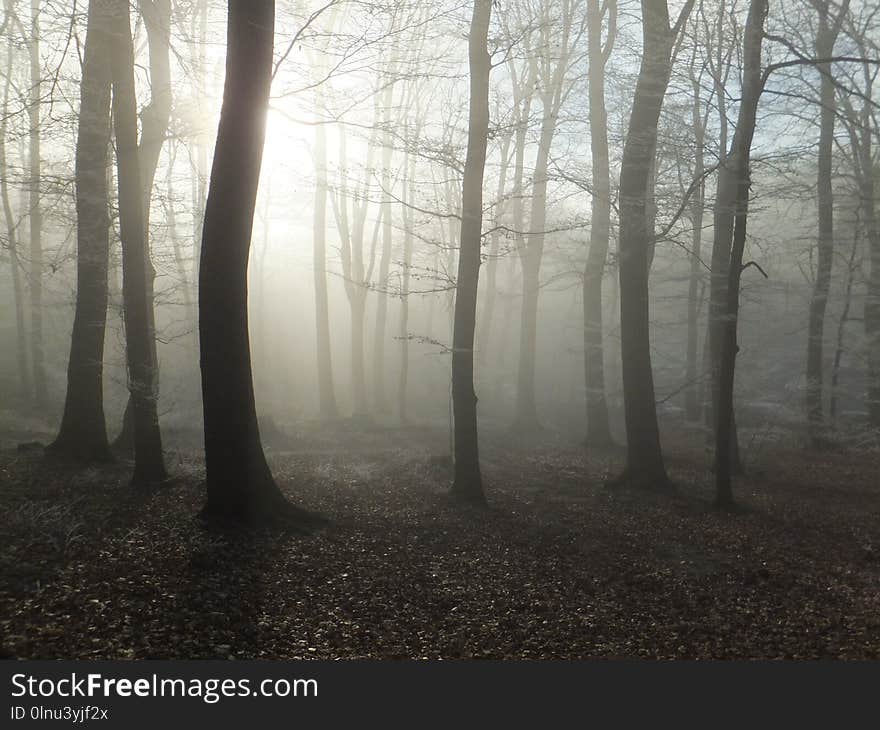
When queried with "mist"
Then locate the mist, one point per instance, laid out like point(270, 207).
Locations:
point(549, 270)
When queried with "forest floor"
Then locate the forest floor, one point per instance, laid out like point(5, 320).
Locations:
point(558, 566)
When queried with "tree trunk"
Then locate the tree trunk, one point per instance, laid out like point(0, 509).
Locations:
point(327, 406)
point(826, 35)
point(403, 329)
point(841, 323)
point(738, 175)
point(15, 263)
point(692, 400)
point(468, 485)
point(484, 327)
point(35, 217)
point(872, 300)
point(83, 433)
point(644, 458)
point(598, 428)
point(240, 487)
point(149, 466)
point(530, 254)
point(155, 119)
point(379, 395)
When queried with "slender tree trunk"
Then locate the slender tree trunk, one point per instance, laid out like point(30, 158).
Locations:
point(155, 119)
point(644, 459)
point(872, 301)
point(176, 246)
point(15, 262)
point(598, 428)
point(468, 485)
point(738, 167)
point(83, 433)
point(861, 132)
point(484, 327)
point(327, 406)
point(530, 257)
point(403, 329)
point(841, 324)
point(35, 216)
point(379, 395)
point(722, 239)
point(826, 35)
point(149, 466)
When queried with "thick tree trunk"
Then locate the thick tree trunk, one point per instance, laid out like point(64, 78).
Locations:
point(644, 462)
point(598, 428)
point(149, 466)
point(240, 487)
point(83, 433)
point(468, 485)
point(738, 168)
point(826, 35)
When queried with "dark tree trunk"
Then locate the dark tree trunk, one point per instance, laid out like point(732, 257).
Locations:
point(155, 119)
point(149, 466)
point(240, 486)
point(598, 428)
point(826, 35)
point(644, 460)
point(468, 484)
point(83, 433)
point(737, 168)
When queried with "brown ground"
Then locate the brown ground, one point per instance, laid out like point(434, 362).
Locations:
point(559, 566)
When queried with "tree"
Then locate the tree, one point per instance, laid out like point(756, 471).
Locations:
point(735, 177)
point(468, 485)
point(83, 432)
point(155, 118)
point(149, 466)
point(826, 35)
point(327, 406)
point(598, 429)
point(551, 64)
point(35, 212)
point(12, 243)
point(240, 486)
point(861, 126)
point(644, 457)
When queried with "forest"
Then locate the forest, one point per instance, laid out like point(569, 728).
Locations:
point(470, 329)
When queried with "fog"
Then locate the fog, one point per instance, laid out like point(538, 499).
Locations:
point(397, 75)
point(515, 330)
